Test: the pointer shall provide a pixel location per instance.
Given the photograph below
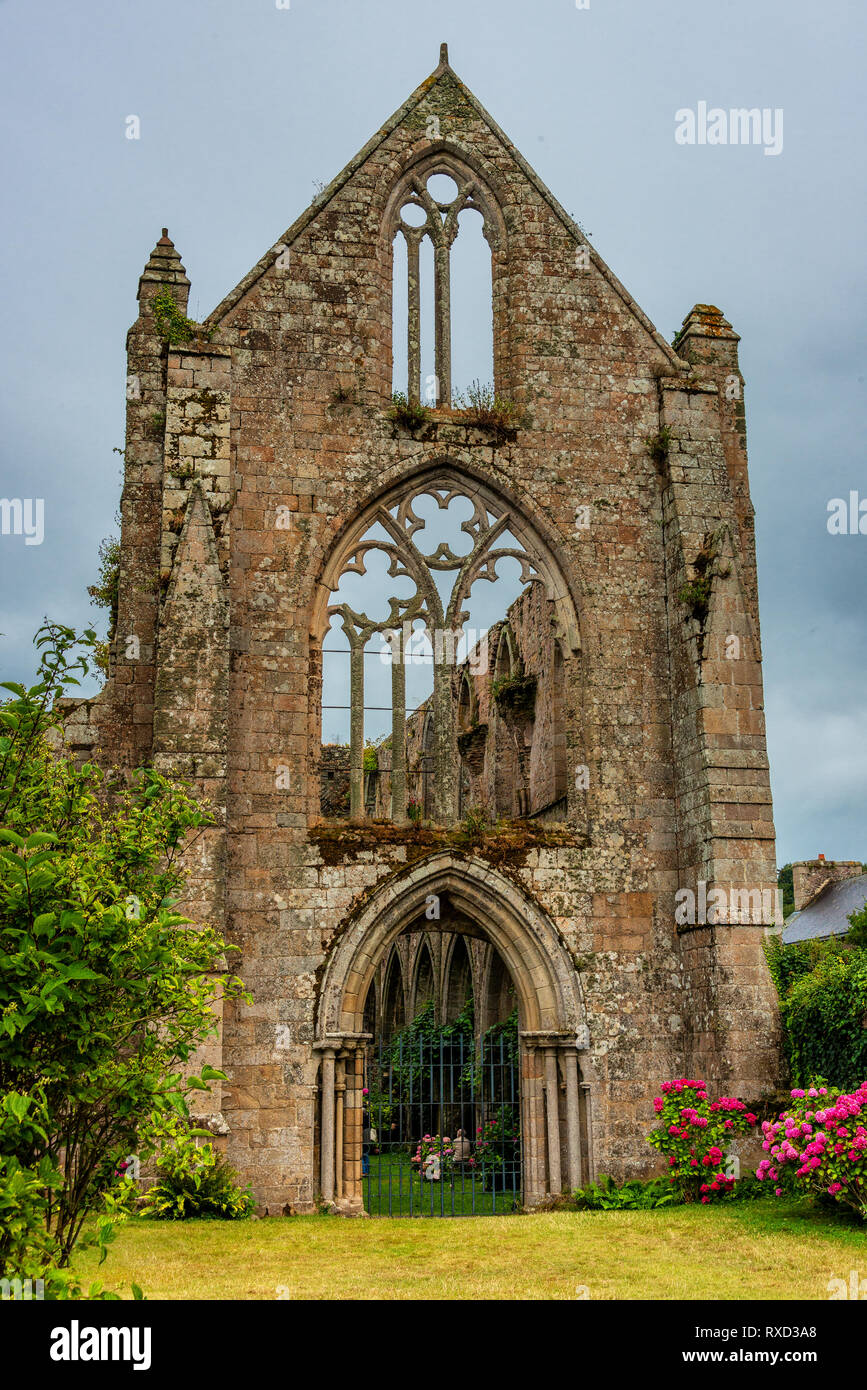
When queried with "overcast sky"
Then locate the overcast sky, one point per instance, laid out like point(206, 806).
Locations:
point(245, 108)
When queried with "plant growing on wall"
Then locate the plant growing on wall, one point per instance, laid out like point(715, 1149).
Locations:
point(516, 694)
point(104, 594)
point(481, 407)
point(171, 322)
point(409, 415)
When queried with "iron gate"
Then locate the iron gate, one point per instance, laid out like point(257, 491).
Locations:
point(441, 1127)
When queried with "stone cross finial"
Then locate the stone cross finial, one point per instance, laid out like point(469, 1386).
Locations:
point(444, 54)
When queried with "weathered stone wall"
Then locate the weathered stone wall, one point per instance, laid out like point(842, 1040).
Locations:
point(275, 438)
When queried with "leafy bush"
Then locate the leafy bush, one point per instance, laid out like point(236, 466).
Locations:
point(789, 963)
point(823, 1014)
point(497, 1152)
point(694, 1134)
point(857, 933)
point(819, 1145)
point(195, 1181)
point(606, 1195)
point(105, 991)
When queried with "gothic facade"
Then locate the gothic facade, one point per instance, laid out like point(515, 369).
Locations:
point(554, 799)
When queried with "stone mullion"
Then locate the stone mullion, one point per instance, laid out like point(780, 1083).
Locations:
point(444, 738)
point(413, 343)
point(443, 326)
point(356, 727)
point(398, 729)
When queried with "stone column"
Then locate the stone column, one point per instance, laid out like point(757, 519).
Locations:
point(573, 1116)
point(588, 1130)
point(327, 1126)
point(552, 1110)
point(352, 1203)
point(533, 1187)
point(340, 1091)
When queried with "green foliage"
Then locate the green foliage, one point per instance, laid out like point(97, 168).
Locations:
point(786, 884)
point(823, 1014)
point(694, 1133)
point(195, 1181)
point(788, 963)
point(105, 990)
point(606, 1195)
point(857, 933)
point(171, 323)
point(658, 445)
point(497, 1147)
point(516, 694)
point(474, 825)
point(410, 415)
point(482, 407)
point(370, 758)
point(406, 1059)
point(105, 594)
point(696, 596)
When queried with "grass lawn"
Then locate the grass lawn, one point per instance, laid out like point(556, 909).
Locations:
point(762, 1249)
point(393, 1187)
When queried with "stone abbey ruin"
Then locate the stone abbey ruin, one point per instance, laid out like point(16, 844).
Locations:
point(510, 818)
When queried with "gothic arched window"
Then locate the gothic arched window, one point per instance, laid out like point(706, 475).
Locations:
point(398, 596)
point(436, 200)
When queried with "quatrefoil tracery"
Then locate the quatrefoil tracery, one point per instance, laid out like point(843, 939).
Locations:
point(407, 560)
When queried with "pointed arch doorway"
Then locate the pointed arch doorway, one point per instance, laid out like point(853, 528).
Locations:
point(537, 1090)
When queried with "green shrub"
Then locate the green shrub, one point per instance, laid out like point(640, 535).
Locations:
point(196, 1181)
point(606, 1195)
point(106, 991)
point(823, 1014)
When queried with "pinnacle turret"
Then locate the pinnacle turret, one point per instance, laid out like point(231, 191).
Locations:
point(164, 268)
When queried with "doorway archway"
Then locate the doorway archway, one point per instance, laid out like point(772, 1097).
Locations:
point(555, 1100)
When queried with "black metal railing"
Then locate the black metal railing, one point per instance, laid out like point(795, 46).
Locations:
point(441, 1127)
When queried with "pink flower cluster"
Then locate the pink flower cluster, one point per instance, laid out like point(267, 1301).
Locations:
point(691, 1133)
point(826, 1149)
